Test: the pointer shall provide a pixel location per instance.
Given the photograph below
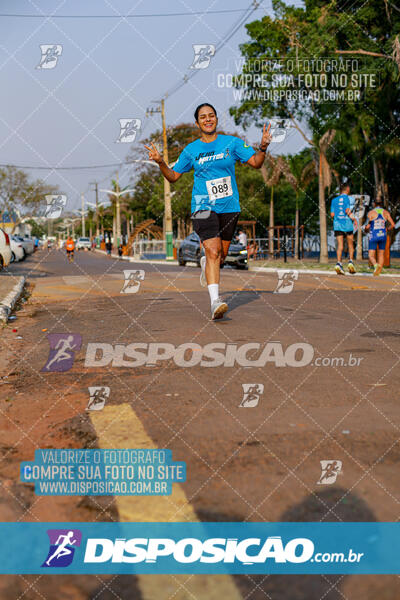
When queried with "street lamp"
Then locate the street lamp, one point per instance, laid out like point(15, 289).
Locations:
point(96, 206)
point(117, 206)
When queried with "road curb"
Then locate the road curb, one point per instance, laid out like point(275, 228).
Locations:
point(149, 261)
point(8, 303)
point(316, 272)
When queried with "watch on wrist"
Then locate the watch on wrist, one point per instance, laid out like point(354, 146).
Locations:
point(262, 149)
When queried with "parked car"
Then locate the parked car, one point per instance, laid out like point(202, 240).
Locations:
point(190, 251)
point(5, 249)
point(27, 243)
point(17, 251)
point(82, 243)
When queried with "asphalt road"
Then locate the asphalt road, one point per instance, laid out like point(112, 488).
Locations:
point(259, 462)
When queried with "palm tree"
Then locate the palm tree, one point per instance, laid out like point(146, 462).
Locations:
point(90, 215)
point(277, 167)
point(324, 180)
point(298, 176)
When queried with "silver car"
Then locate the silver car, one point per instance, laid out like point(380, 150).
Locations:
point(27, 243)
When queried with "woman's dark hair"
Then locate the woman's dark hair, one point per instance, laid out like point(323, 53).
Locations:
point(196, 112)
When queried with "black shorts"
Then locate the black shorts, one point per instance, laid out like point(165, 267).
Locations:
point(70, 251)
point(337, 232)
point(209, 224)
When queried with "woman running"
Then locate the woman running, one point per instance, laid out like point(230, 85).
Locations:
point(376, 225)
point(215, 197)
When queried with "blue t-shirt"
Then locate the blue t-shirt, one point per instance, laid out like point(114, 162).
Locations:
point(214, 185)
point(339, 205)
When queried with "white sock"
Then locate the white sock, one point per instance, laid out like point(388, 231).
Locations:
point(213, 290)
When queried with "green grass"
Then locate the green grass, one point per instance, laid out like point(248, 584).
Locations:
point(298, 265)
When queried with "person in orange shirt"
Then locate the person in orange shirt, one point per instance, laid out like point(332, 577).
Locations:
point(70, 248)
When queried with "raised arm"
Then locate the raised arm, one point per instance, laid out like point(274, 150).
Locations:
point(168, 173)
point(257, 160)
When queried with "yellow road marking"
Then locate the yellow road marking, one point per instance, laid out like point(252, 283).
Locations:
point(119, 427)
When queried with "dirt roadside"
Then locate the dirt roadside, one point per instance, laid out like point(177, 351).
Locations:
point(259, 465)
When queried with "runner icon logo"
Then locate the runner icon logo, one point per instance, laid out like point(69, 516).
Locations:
point(128, 130)
point(62, 547)
point(55, 205)
point(286, 281)
point(98, 396)
point(62, 351)
point(132, 281)
point(251, 394)
point(202, 55)
point(50, 55)
point(279, 129)
point(330, 469)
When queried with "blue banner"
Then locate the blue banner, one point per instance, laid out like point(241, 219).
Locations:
point(102, 472)
point(212, 548)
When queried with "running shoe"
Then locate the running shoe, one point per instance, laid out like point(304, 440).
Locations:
point(203, 280)
point(218, 309)
point(377, 269)
point(351, 268)
point(339, 269)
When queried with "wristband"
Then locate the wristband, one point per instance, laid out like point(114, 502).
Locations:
point(262, 149)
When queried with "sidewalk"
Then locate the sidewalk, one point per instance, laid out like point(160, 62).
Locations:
point(155, 261)
point(306, 267)
point(11, 288)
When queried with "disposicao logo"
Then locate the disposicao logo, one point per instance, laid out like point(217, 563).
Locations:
point(192, 550)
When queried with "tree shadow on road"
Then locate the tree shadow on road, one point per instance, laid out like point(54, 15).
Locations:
point(328, 505)
point(333, 504)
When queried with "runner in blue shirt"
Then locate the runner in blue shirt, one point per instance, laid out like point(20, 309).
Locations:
point(376, 225)
point(215, 198)
point(343, 226)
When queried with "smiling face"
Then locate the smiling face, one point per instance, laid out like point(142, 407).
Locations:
point(207, 120)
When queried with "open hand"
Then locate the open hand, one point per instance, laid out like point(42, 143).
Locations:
point(154, 154)
point(266, 137)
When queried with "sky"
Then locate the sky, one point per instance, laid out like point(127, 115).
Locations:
point(110, 69)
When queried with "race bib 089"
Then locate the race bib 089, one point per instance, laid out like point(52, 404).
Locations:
point(219, 188)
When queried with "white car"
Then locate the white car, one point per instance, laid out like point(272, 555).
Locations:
point(5, 249)
point(27, 243)
point(82, 243)
point(17, 251)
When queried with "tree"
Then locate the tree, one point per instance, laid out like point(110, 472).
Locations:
point(18, 193)
point(271, 177)
point(38, 230)
point(366, 145)
point(299, 173)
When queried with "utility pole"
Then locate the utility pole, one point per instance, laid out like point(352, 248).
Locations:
point(96, 188)
point(118, 211)
point(83, 214)
point(167, 187)
point(167, 191)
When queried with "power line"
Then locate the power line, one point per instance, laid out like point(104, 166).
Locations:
point(239, 23)
point(180, 14)
point(121, 164)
